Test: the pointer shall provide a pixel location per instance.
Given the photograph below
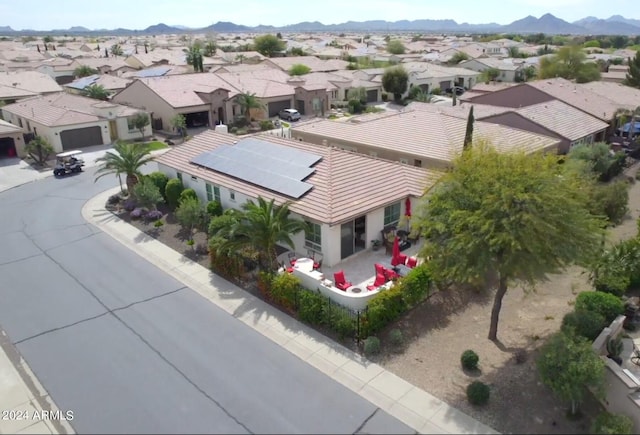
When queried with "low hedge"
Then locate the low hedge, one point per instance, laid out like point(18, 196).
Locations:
point(385, 308)
point(607, 305)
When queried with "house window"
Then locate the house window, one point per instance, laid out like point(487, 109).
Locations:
point(392, 214)
point(20, 122)
point(417, 163)
point(232, 195)
point(179, 175)
point(130, 124)
point(209, 192)
point(313, 237)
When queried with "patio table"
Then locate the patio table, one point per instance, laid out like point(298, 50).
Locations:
point(400, 269)
point(304, 264)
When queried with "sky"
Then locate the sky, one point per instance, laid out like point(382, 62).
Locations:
point(140, 14)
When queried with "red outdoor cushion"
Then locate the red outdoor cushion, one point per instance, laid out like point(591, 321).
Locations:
point(412, 262)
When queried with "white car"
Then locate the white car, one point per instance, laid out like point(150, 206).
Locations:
point(289, 114)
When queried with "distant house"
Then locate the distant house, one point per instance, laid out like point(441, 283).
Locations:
point(507, 70)
point(11, 140)
point(344, 213)
point(71, 121)
point(110, 83)
point(18, 85)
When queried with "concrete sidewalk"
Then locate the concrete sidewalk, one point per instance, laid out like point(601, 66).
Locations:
point(411, 405)
point(25, 405)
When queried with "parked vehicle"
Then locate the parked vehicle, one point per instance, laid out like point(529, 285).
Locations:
point(289, 114)
point(459, 90)
point(68, 162)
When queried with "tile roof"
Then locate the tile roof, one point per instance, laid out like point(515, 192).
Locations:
point(180, 90)
point(265, 83)
point(459, 111)
point(109, 82)
point(491, 86)
point(433, 135)
point(337, 195)
point(625, 96)
point(7, 127)
point(565, 120)
point(65, 109)
point(316, 64)
point(31, 81)
point(100, 62)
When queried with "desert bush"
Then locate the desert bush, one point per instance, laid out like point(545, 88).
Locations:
point(172, 190)
point(618, 268)
point(233, 130)
point(469, 360)
point(187, 193)
point(214, 208)
point(267, 124)
point(587, 324)
point(611, 200)
point(478, 393)
point(160, 179)
point(607, 305)
point(371, 346)
point(137, 213)
point(338, 318)
point(284, 290)
point(396, 338)
point(153, 215)
point(607, 423)
point(311, 307)
point(416, 285)
point(158, 223)
point(385, 97)
point(147, 193)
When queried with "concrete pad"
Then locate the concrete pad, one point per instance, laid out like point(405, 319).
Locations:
point(404, 414)
point(365, 372)
point(15, 247)
point(391, 385)
point(322, 364)
point(348, 380)
point(376, 397)
point(37, 428)
point(421, 402)
point(383, 423)
point(455, 421)
point(335, 354)
point(430, 428)
point(298, 349)
point(276, 336)
point(311, 340)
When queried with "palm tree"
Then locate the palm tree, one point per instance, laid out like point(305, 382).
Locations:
point(116, 50)
point(248, 101)
point(84, 71)
point(261, 226)
point(209, 48)
point(97, 92)
point(128, 159)
point(194, 56)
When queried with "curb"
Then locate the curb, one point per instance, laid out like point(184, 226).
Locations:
point(411, 405)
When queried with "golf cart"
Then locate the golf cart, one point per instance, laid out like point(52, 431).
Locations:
point(69, 161)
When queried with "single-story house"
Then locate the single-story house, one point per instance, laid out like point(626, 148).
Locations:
point(11, 140)
point(18, 85)
point(508, 71)
point(71, 121)
point(344, 213)
point(110, 83)
point(314, 63)
point(104, 65)
point(428, 139)
point(58, 68)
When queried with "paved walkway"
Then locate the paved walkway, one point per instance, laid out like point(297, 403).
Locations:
point(411, 405)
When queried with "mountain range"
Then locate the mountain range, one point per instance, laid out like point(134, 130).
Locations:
point(549, 24)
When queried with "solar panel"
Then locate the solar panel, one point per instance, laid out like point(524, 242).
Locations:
point(274, 167)
point(154, 72)
point(83, 82)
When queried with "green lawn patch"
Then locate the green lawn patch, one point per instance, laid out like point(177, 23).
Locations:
point(156, 145)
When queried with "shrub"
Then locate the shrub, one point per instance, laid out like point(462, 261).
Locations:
point(385, 97)
point(478, 393)
point(147, 193)
point(469, 359)
point(605, 304)
point(311, 307)
point(233, 130)
point(606, 423)
point(339, 320)
point(371, 346)
point(158, 223)
point(160, 180)
point(384, 308)
point(172, 190)
point(416, 285)
point(153, 215)
point(187, 193)
point(137, 213)
point(130, 204)
point(436, 91)
point(284, 290)
point(611, 200)
point(587, 324)
point(114, 199)
point(396, 338)
point(214, 208)
point(266, 125)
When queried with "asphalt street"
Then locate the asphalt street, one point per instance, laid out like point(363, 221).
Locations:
point(129, 349)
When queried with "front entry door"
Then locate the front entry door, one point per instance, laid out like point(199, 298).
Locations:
point(347, 238)
point(113, 130)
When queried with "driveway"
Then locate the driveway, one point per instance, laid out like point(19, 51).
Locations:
point(129, 349)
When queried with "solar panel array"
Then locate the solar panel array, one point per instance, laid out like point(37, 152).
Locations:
point(154, 72)
point(275, 167)
point(83, 82)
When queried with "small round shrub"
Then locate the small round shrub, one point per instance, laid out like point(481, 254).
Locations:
point(172, 191)
point(153, 215)
point(130, 204)
point(136, 213)
point(114, 199)
point(371, 346)
point(158, 223)
point(396, 338)
point(606, 423)
point(469, 360)
point(266, 125)
point(607, 305)
point(160, 179)
point(214, 208)
point(587, 324)
point(478, 393)
point(187, 193)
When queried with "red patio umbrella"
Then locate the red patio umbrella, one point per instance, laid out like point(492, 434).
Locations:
point(395, 253)
point(407, 207)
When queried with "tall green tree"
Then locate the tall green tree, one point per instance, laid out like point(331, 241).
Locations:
point(209, 48)
point(179, 122)
point(299, 69)
point(127, 159)
point(84, 71)
point(39, 149)
point(147, 193)
point(458, 57)
point(567, 364)
point(140, 121)
point(268, 45)
point(468, 134)
point(262, 226)
point(498, 218)
point(97, 92)
point(395, 80)
point(194, 56)
point(116, 50)
point(570, 63)
point(189, 214)
point(395, 46)
point(633, 76)
point(248, 101)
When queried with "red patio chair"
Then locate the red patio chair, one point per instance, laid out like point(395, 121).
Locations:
point(391, 274)
point(380, 280)
point(402, 258)
point(412, 262)
point(340, 281)
point(379, 268)
point(292, 258)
